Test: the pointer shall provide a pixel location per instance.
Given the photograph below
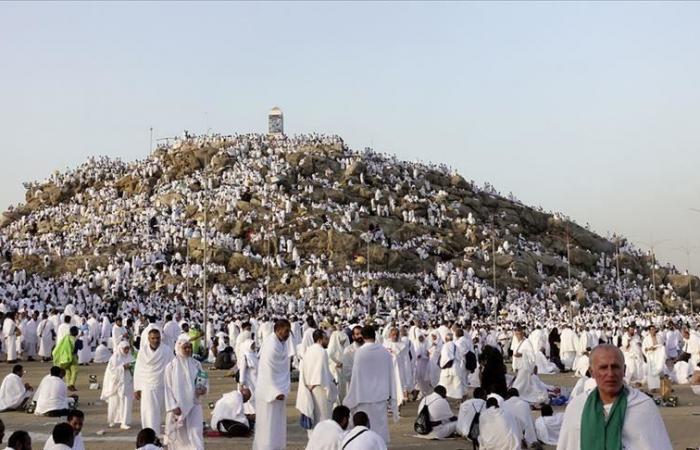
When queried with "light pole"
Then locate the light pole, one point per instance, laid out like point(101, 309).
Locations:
point(204, 235)
point(568, 254)
point(617, 267)
point(150, 147)
point(688, 250)
point(653, 244)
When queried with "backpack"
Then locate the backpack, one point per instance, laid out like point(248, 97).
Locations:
point(470, 361)
point(422, 424)
point(473, 434)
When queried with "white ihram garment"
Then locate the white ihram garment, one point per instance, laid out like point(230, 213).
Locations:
point(273, 380)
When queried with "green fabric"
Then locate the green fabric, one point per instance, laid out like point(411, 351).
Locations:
point(596, 432)
point(63, 352)
point(195, 336)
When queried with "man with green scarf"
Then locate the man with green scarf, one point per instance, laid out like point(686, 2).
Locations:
point(65, 356)
point(613, 416)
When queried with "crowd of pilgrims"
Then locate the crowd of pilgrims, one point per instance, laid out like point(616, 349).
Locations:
point(449, 336)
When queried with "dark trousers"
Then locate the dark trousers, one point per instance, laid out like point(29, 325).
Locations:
point(57, 413)
point(232, 428)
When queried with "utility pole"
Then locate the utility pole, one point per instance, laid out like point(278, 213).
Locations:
point(568, 254)
point(150, 147)
point(206, 229)
point(187, 274)
point(269, 262)
point(617, 268)
point(493, 263)
point(652, 244)
point(688, 250)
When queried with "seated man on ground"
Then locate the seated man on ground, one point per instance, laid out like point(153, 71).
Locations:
point(62, 437)
point(442, 420)
point(497, 428)
point(520, 410)
point(19, 440)
point(75, 419)
point(548, 425)
point(14, 393)
point(102, 354)
point(361, 437)
point(468, 411)
point(52, 395)
point(328, 434)
point(147, 440)
point(228, 416)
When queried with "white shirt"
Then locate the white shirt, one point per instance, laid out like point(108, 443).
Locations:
point(366, 440)
point(326, 435)
point(229, 407)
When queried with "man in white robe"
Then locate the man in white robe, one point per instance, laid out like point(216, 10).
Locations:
point(229, 411)
point(171, 330)
point(672, 341)
point(423, 378)
point(361, 437)
point(443, 421)
point(317, 390)
point(548, 425)
point(75, 418)
point(449, 376)
point(51, 395)
point(9, 333)
point(642, 426)
point(31, 339)
point(530, 388)
point(185, 385)
point(336, 346)
point(567, 350)
point(373, 384)
point(273, 386)
point(468, 411)
point(655, 353)
point(632, 351)
point(497, 429)
point(149, 385)
point(46, 333)
point(519, 409)
point(348, 360)
point(583, 349)
point(102, 354)
point(523, 352)
point(399, 357)
point(118, 332)
point(328, 434)
point(14, 393)
point(464, 345)
point(682, 370)
point(691, 345)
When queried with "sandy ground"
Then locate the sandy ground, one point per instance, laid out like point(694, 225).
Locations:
point(683, 422)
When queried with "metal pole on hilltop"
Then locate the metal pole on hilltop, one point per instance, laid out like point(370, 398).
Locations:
point(652, 244)
point(493, 264)
point(688, 250)
point(617, 268)
point(150, 147)
point(267, 279)
point(689, 279)
point(568, 254)
point(206, 230)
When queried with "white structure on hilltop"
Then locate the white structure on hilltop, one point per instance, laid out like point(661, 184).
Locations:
point(275, 121)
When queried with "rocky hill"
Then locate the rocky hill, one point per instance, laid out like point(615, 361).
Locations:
point(342, 209)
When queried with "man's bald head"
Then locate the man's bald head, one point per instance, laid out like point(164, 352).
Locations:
point(608, 370)
point(604, 348)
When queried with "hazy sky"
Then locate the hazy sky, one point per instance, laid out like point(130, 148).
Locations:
point(586, 108)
